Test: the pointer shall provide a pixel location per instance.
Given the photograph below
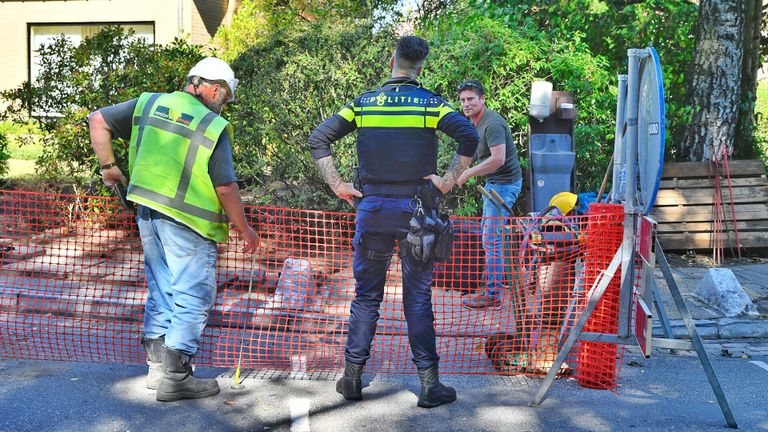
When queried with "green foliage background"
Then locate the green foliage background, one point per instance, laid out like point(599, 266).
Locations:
point(299, 61)
point(609, 29)
point(507, 60)
point(761, 121)
point(290, 84)
point(105, 69)
point(4, 155)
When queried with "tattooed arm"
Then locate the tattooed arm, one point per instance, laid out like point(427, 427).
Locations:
point(460, 129)
point(452, 174)
point(332, 129)
point(342, 190)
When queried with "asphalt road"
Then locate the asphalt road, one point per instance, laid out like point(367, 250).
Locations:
point(665, 393)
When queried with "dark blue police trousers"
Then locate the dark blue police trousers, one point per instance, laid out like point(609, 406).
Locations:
point(380, 222)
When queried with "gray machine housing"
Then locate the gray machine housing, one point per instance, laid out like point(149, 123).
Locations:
point(551, 153)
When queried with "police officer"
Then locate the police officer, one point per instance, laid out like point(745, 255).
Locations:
point(182, 178)
point(397, 155)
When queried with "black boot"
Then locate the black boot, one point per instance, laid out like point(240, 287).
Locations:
point(155, 352)
point(351, 384)
point(433, 392)
point(178, 382)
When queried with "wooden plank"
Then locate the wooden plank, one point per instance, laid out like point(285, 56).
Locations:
point(705, 196)
point(737, 168)
point(703, 213)
point(684, 205)
point(703, 240)
point(683, 183)
point(743, 226)
point(709, 192)
point(700, 216)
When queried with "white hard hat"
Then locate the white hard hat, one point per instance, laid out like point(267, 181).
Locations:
point(214, 69)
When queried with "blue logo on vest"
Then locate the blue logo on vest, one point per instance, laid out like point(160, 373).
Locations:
point(173, 115)
point(184, 119)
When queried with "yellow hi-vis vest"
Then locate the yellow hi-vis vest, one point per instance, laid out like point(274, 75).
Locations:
point(172, 139)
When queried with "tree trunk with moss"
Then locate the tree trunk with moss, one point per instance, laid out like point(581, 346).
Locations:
point(744, 147)
point(716, 80)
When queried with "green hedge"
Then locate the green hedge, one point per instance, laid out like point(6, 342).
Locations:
point(303, 74)
point(506, 61)
point(4, 155)
point(290, 84)
point(105, 69)
point(296, 74)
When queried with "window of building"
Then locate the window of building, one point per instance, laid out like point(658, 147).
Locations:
point(43, 34)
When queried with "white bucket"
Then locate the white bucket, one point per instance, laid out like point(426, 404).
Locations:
point(541, 96)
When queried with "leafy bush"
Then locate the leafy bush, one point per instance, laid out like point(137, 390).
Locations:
point(304, 73)
point(105, 69)
point(290, 84)
point(4, 155)
point(507, 60)
point(257, 21)
point(609, 29)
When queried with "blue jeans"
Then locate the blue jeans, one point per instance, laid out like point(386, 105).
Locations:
point(493, 221)
point(380, 222)
point(180, 266)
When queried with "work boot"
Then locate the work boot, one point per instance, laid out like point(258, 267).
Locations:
point(433, 392)
point(351, 384)
point(178, 382)
point(155, 352)
point(481, 301)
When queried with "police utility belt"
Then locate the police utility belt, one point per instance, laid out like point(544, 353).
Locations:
point(429, 236)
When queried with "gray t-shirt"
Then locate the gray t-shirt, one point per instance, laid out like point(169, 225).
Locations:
point(494, 130)
point(221, 169)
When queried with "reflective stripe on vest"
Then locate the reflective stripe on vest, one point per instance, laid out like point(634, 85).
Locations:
point(207, 218)
point(396, 141)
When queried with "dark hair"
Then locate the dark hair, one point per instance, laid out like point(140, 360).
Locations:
point(473, 85)
point(413, 50)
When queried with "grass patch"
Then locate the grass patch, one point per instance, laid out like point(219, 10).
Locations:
point(23, 142)
point(20, 168)
point(23, 149)
point(12, 128)
point(761, 118)
point(26, 151)
point(762, 98)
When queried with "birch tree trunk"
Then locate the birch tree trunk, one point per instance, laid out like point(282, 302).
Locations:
point(715, 85)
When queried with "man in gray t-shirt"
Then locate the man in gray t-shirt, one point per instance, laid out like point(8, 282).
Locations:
point(498, 162)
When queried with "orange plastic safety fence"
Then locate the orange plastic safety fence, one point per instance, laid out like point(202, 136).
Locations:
point(599, 361)
point(72, 288)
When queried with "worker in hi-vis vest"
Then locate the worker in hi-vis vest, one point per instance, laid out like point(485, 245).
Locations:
point(183, 180)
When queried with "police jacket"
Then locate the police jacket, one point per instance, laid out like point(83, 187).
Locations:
point(396, 143)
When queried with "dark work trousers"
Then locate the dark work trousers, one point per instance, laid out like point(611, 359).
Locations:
point(380, 222)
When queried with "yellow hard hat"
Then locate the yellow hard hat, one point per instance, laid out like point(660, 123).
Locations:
point(565, 201)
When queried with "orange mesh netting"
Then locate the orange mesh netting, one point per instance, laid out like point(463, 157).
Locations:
point(597, 360)
point(72, 288)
